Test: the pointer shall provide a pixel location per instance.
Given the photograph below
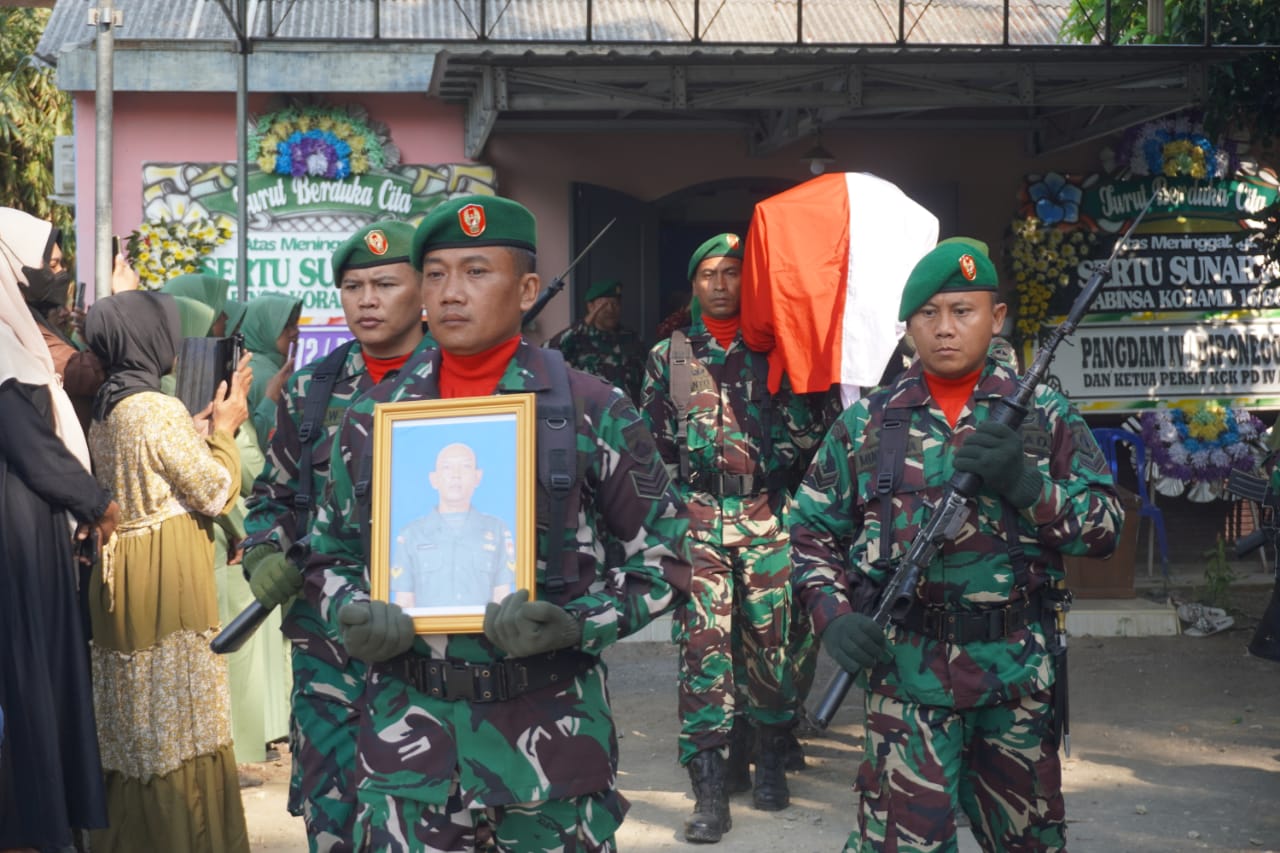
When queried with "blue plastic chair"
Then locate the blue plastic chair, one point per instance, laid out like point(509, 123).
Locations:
point(1109, 439)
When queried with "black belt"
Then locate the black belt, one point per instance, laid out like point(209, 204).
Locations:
point(971, 626)
point(727, 485)
point(496, 681)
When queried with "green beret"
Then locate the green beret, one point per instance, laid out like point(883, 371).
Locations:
point(476, 220)
point(719, 246)
point(971, 242)
point(953, 266)
point(608, 287)
point(375, 245)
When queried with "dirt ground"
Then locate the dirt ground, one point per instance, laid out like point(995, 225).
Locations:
point(1175, 747)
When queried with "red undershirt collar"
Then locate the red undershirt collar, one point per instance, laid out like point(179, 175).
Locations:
point(475, 375)
point(952, 394)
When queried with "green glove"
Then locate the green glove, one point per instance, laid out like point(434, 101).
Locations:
point(273, 578)
point(521, 627)
point(375, 631)
point(994, 452)
point(856, 642)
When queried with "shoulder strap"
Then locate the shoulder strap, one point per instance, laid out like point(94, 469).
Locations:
point(760, 371)
point(557, 467)
point(681, 354)
point(894, 430)
point(317, 403)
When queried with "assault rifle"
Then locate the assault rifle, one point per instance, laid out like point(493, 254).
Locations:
point(953, 509)
point(558, 284)
point(1266, 637)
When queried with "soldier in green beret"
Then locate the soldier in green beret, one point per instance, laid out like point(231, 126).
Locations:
point(382, 301)
point(960, 693)
point(600, 345)
point(733, 450)
point(502, 739)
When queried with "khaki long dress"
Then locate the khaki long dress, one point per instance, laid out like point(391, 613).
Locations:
point(160, 694)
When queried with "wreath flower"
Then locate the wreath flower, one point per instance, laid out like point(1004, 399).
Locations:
point(320, 141)
point(1198, 444)
point(164, 247)
point(1176, 148)
point(1042, 258)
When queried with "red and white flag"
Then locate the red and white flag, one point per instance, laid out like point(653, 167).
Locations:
point(822, 276)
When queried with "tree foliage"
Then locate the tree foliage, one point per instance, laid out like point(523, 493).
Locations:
point(1243, 92)
point(32, 112)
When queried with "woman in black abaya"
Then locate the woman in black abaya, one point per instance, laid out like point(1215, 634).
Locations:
point(50, 774)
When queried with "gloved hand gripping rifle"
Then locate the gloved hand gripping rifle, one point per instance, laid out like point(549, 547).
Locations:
point(953, 509)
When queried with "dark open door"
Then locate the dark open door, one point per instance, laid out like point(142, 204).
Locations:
point(629, 252)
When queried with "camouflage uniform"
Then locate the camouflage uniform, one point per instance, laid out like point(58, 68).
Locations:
point(742, 595)
point(616, 357)
point(950, 724)
point(446, 775)
point(443, 563)
point(327, 685)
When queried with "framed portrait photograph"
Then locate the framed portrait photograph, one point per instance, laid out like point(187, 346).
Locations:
point(453, 524)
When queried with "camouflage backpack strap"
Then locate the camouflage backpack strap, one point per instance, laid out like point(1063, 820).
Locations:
point(895, 428)
point(319, 391)
point(557, 468)
point(772, 480)
point(681, 354)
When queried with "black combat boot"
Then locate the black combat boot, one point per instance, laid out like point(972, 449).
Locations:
point(710, 819)
point(795, 750)
point(771, 793)
point(741, 741)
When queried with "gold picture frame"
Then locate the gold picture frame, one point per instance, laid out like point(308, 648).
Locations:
point(453, 487)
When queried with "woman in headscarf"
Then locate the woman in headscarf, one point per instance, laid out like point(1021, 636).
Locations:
point(270, 330)
point(46, 288)
point(50, 774)
point(206, 288)
point(253, 671)
point(159, 692)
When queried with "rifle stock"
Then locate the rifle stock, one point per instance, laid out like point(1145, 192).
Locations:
point(953, 509)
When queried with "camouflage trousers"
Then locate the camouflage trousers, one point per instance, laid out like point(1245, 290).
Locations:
point(586, 824)
point(322, 739)
point(802, 652)
point(733, 637)
point(998, 763)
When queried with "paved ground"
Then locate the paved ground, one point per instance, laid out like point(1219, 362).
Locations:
point(1175, 747)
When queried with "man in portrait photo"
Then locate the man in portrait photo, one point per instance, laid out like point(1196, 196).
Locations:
point(455, 556)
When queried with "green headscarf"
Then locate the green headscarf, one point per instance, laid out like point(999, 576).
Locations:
point(202, 287)
point(264, 319)
point(196, 317)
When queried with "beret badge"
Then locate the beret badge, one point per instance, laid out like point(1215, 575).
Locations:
point(376, 242)
point(968, 267)
point(471, 219)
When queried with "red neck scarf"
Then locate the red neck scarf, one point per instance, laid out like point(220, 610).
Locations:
point(475, 375)
point(724, 331)
point(380, 367)
point(952, 394)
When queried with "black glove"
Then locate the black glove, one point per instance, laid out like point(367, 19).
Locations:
point(375, 631)
point(521, 627)
point(273, 578)
point(994, 452)
point(856, 642)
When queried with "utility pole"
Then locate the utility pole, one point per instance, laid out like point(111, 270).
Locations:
point(106, 19)
point(242, 148)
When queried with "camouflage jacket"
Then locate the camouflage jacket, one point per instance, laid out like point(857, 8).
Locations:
point(272, 518)
point(724, 426)
point(616, 357)
point(836, 519)
point(549, 743)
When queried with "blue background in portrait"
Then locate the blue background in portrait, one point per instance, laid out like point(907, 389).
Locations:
point(414, 446)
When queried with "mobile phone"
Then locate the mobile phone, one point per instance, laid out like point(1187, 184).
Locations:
point(79, 303)
point(115, 246)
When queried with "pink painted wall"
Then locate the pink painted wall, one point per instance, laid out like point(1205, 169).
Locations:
point(195, 128)
point(539, 169)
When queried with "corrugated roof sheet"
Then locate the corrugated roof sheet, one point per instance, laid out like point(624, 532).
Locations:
point(932, 22)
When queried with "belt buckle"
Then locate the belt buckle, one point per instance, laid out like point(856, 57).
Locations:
point(515, 678)
point(458, 681)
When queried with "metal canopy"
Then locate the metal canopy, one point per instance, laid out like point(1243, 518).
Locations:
point(1061, 96)
point(774, 70)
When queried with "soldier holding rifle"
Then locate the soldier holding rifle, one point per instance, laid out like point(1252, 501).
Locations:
point(959, 690)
